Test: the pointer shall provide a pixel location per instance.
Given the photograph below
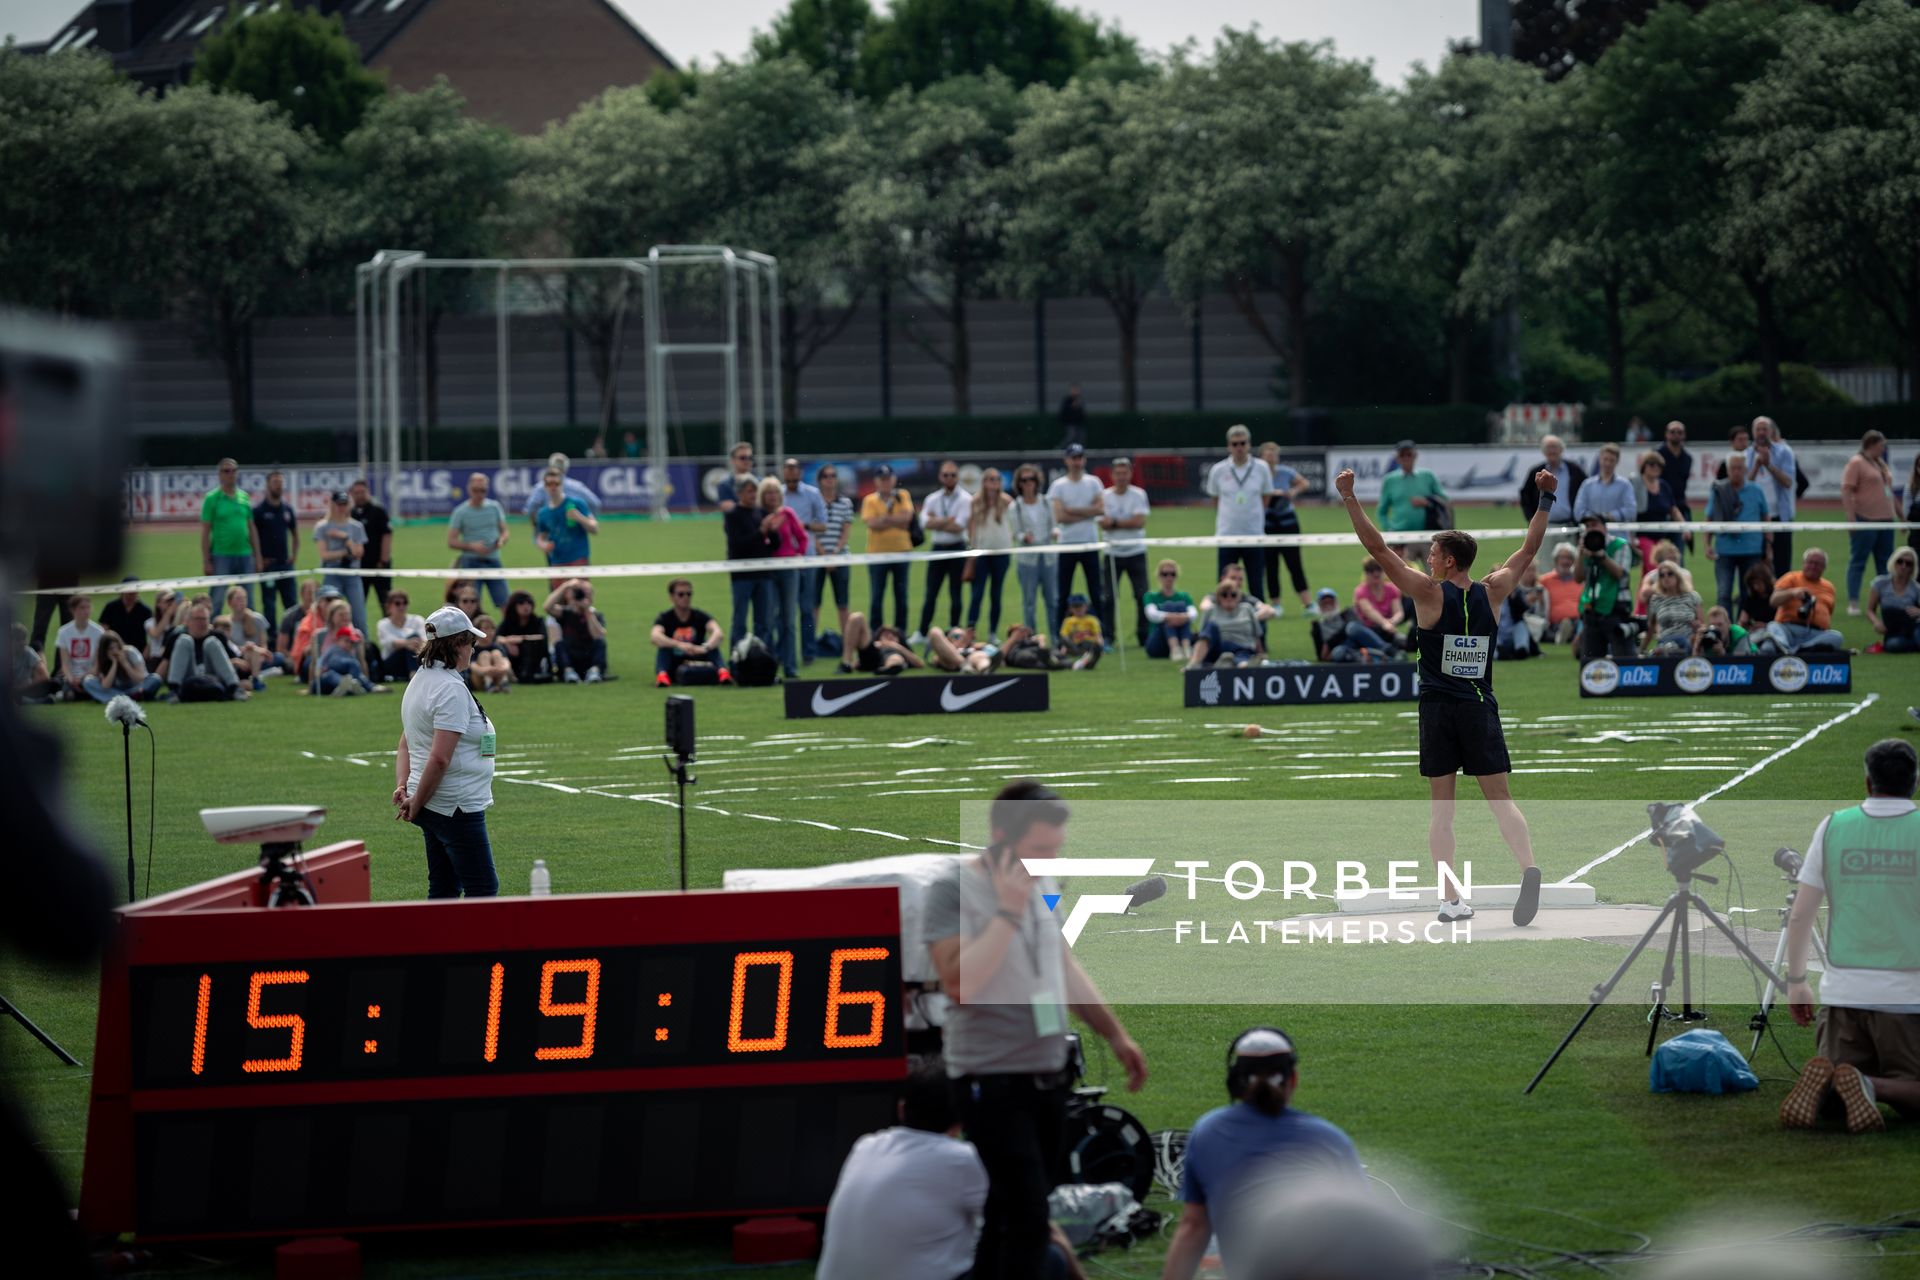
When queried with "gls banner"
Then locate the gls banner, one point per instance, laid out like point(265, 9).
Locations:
point(1304, 683)
point(915, 696)
point(1683, 677)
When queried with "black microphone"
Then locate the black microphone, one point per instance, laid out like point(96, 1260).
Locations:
point(1788, 861)
point(1146, 891)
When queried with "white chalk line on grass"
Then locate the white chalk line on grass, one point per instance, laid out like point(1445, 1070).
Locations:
point(1738, 778)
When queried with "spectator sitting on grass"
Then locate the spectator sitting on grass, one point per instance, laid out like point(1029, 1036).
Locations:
point(128, 617)
point(581, 653)
point(465, 595)
point(881, 653)
point(166, 616)
point(1377, 603)
point(248, 637)
point(1028, 649)
point(30, 682)
point(223, 628)
point(1721, 637)
point(198, 666)
point(1079, 643)
point(77, 644)
point(119, 669)
point(314, 624)
point(339, 671)
point(1674, 617)
point(402, 636)
point(283, 631)
point(1523, 618)
point(1664, 552)
point(1893, 605)
point(490, 668)
point(1237, 574)
point(1170, 615)
point(1338, 634)
point(1563, 597)
point(683, 634)
point(1756, 596)
point(1231, 633)
point(523, 634)
point(1803, 603)
point(957, 651)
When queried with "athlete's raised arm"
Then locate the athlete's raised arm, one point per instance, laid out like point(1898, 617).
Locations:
point(1501, 582)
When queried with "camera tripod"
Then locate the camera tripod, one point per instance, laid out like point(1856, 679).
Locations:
point(1758, 1022)
point(1675, 910)
point(285, 883)
point(10, 1010)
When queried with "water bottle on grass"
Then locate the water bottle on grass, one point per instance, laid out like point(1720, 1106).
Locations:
point(542, 882)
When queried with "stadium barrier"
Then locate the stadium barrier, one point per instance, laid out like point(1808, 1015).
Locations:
point(1677, 677)
point(886, 696)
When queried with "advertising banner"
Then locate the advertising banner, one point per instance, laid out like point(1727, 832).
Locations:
point(1827, 672)
point(894, 696)
point(1303, 683)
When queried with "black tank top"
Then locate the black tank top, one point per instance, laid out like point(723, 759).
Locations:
point(1456, 654)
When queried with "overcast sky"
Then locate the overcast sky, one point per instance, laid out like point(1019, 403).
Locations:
point(1391, 33)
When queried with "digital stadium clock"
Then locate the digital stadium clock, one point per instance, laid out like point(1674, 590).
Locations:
point(361, 1065)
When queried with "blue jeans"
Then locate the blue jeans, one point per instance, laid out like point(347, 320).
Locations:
point(1729, 579)
point(785, 589)
point(1089, 565)
point(1862, 543)
point(354, 589)
point(459, 857)
point(105, 692)
point(1161, 633)
point(1218, 648)
point(277, 593)
point(223, 565)
point(667, 661)
point(564, 657)
point(1360, 636)
point(496, 587)
point(806, 599)
point(989, 578)
point(1792, 637)
point(841, 576)
point(1037, 575)
point(755, 593)
point(878, 575)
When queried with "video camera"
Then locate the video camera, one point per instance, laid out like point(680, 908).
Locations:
point(1688, 842)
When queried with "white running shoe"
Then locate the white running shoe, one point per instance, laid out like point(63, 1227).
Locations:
point(1455, 911)
point(593, 675)
point(1853, 609)
point(573, 677)
point(343, 690)
point(917, 639)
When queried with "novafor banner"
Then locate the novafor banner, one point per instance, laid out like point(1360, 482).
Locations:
point(1687, 677)
point(1303, 683)
point(915, 696)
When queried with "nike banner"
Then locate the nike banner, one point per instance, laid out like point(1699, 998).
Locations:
point(1822, 671)
point(915, 695)
point(1306, 682)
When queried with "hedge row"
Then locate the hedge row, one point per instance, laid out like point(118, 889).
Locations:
point(1341, 425)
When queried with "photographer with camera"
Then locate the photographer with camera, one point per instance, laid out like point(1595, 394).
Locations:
point(581, 653)
point(1862, 862)
point(1239, 1155)
point(1606, 609)
point(1803, 604)
point(1005, 965)
point(683, 634)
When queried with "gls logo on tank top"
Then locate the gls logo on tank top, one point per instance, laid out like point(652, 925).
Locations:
point(1466, 657)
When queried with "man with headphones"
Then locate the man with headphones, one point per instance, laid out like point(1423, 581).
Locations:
point(1240, 1156)
point(1003, 962)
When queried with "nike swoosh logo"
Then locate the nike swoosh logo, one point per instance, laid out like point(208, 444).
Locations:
point(951, 701)
point(825, 706)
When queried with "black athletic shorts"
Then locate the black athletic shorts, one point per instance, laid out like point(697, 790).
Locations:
point(1461, 737)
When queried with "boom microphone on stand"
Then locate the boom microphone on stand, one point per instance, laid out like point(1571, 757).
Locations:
point(1146, 891)
point(126, 713)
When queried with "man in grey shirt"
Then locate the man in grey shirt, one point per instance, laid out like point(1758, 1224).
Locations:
point(1004, 964)
point(477, 530)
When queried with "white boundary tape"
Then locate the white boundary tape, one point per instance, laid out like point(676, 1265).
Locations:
point(1734, 781)
point(688, 568)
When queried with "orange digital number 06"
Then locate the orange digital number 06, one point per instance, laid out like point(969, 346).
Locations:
point(876, 1001)
point(587, 1009)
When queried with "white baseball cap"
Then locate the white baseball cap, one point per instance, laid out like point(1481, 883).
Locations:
point(450, 620)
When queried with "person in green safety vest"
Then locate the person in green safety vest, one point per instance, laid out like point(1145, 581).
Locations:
point(1866, 862)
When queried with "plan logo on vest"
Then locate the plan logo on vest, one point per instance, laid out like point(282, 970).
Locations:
point(1695, 675)
point(1789, 674)
point(1088, 905)
point(1210, 689)
point(1600, 677)
point(1881, 864)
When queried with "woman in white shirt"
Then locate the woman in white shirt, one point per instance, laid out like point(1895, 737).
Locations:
point(402, 636)
point(1030, 522)
point(988, 530)
point(443, 773)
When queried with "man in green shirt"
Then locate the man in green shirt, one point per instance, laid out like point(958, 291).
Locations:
point(228, 541)
point(1407, 493)
point(1865, 861)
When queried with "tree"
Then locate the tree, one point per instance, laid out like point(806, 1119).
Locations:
point(296, 59)
point(1828, 139)
point(931, 209)
point(419, 173)
point(1450, 167)
point(227, 216)
point(73, 136)
point(1247, 164)
point(922, 42)
point(827, 35)
point(607, 182)
point(772, 150)
point(1076, 222)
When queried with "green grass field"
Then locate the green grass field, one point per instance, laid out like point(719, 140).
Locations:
point(1430, 1090)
